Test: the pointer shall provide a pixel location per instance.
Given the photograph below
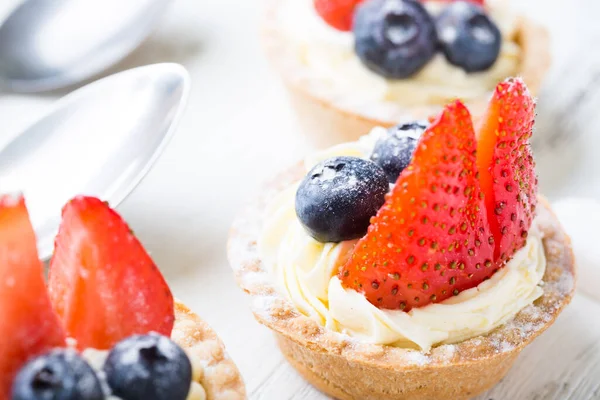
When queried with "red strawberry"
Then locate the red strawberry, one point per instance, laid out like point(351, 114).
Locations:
point(102, 282)
point(28, 325)
point(337, 13)
point(430, 240)
point(506, 166)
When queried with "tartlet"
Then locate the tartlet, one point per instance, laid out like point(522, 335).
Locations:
point(399, 265)
point(334, 362)
point(325, 118)
point(105, 325)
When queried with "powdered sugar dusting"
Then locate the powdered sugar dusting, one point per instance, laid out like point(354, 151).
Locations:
point(446, 353)
point(417, 357)
point(257, 279)
point(564, 284)
point(266, 306)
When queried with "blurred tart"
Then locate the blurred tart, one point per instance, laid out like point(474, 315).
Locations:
point(351, 65)
point(415, 263)
point(106, 326)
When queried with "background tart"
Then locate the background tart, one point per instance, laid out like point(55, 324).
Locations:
point(326, 123)
point(345, 368)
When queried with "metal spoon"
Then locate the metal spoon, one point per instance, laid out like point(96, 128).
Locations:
point(49, 44)
point(100, 140)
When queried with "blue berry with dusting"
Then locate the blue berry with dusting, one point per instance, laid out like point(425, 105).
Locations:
point(59, 375)
point(148, 367)
point(468, 37)
point(338, 197)
point(393, 151)
point(394, 38)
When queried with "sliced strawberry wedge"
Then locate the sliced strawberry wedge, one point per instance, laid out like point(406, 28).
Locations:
point(507, 167)
point(28, 325)
point(102, 282)
point(430, 240)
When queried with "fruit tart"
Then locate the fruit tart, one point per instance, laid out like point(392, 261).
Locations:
point(106, 325)
point(415, 263)
point(351, 65)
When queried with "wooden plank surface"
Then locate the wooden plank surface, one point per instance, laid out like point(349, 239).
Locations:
point(238, 130)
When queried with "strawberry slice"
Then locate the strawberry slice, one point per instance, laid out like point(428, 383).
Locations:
point(28, 324)
point(102, 282)
point(337, 13)
point(430, 240)
point(507, 167)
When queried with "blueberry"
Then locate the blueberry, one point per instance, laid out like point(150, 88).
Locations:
point(148, 367)
point(59, 375)
point(394, 38)
point(338, 197)
point(393, 151)
point(468, 37)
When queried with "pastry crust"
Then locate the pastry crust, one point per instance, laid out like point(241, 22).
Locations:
point(347, 369)
point(220, 378)
point(326, 124)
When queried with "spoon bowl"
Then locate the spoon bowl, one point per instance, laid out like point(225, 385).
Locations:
point(49, 44)
point(100, 140)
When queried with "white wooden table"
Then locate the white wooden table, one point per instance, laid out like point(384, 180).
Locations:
point(238, 130)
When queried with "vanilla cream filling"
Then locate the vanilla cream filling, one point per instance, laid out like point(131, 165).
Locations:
point(306, 272)
point(330, 57)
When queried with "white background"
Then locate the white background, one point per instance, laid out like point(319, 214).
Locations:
point(238, 130)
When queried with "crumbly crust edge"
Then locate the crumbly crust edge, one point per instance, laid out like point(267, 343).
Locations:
point(221, 378)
